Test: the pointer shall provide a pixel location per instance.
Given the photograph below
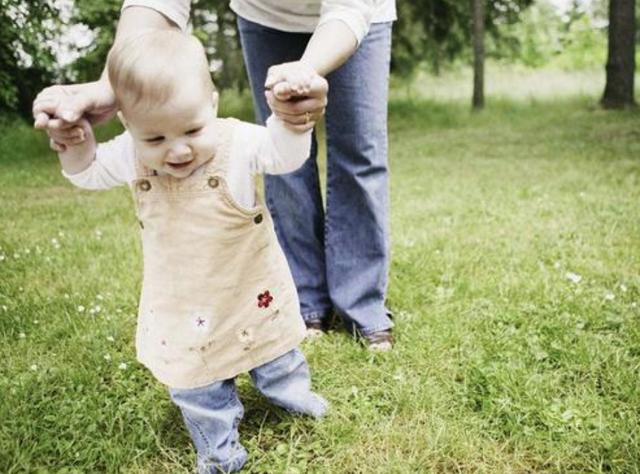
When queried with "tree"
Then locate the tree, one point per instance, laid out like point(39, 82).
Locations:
point(619, 89)
point(26, 61)
point(478, 53)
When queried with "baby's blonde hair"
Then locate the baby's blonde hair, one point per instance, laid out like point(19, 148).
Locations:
point(152, 66)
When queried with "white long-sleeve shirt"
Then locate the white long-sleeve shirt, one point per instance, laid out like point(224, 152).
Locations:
point(255, 149)
point(298, 16)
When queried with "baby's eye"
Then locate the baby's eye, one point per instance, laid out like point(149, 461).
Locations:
point(194, 131)
point(154, 140)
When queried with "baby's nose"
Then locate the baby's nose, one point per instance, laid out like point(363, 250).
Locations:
point(179, 150)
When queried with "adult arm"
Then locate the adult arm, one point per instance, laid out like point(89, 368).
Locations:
point(61, 106)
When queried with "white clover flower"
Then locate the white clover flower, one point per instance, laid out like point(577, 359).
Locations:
point(16, 255)
point(557, 265)
point(27, 251)
point(574, 277)
point(4, 307)
point(54, 241)
point(66, 296)
point(2, 257)
point(98, 234)
point(107, 357)
point(81, 309)
point(99, 297)
point(122, 366)
point(35, 321)
point(609, 296)
point(22, 335)
point(34, 367)
point(623, 287)
point(110, 339)
point(60, 234)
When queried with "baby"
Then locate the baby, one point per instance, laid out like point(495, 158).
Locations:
point(217, 296)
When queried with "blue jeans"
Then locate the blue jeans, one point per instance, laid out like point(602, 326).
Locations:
point(339, 258)
point(212, 413)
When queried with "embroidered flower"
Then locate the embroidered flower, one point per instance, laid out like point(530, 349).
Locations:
point(264, 299)
point(201, 323)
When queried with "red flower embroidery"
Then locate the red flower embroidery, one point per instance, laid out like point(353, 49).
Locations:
point(264, 299)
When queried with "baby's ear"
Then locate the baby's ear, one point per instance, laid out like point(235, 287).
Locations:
point(214, 101)
point(123, 121)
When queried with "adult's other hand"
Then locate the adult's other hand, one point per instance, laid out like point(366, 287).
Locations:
point(299, 113)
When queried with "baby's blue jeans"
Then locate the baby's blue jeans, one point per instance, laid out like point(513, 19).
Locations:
point(212, 413)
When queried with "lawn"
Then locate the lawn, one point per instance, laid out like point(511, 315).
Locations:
point(514, 282)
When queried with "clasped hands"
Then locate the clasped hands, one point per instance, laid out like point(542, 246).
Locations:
point(295, 92)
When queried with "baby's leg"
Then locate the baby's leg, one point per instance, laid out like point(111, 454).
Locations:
point(212, 414)
point(286, 382)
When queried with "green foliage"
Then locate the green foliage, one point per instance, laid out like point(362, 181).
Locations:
point(543, 37)
point(26, 60)
point(435, 32)
point(102, 18)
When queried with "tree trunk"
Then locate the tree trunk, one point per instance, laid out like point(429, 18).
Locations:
point(618, 92)
point(478, 53)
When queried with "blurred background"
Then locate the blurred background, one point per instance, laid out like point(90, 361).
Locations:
point(521, 48)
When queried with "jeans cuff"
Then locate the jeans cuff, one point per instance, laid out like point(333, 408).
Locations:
point(317, 315)
point(371, 329)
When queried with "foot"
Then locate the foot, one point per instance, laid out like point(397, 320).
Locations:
point(315, 328)
point(379, 341)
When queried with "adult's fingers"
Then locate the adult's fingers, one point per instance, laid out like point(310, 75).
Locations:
point(57, 147)
point(299, 106)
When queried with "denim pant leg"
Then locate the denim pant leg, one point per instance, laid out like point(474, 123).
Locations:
point(212, 415)
point(294, 199)
point(286, 382)
point(357, 221)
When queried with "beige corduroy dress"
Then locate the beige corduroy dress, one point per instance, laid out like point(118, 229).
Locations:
point(217, 296)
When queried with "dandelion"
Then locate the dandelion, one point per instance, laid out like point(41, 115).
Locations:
point(122, 366)
point(81, 309)
point(573, 277)
point(609, 296)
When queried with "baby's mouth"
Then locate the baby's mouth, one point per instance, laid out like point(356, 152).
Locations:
point(177, 166)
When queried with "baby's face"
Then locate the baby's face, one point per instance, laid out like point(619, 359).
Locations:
point(175, 137)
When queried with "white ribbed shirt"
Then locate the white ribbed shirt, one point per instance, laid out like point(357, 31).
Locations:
point(299, 16)
point(255, 149)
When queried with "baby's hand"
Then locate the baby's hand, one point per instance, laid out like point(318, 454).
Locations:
point(289, 80)
point(63, 134)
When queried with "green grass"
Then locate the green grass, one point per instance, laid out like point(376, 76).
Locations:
point(505, 362)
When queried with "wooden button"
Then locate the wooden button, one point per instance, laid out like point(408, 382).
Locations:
point(213, 182)
point(258, 219)
point(144, 185)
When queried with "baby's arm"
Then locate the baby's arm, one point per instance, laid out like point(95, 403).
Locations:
point(76, 147)
point(276, 149)
point(95, 166)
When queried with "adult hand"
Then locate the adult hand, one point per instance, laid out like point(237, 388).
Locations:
point(61, 107)
point(298, 112)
